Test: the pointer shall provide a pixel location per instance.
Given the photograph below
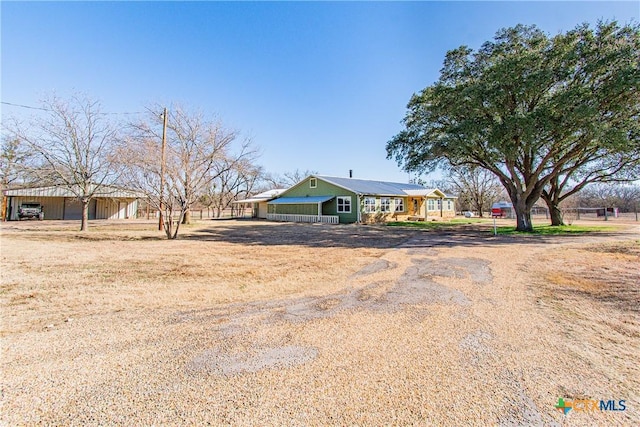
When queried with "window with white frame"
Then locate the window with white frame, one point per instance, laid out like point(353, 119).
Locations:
point(431, 205)
point(313, 183)
point(399, 205)
point(344, 204)
point(369, 205)
point(449, 207)
point(385, 204)
point(439, 203)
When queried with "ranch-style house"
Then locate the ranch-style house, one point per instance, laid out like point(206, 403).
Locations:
point(336, 200)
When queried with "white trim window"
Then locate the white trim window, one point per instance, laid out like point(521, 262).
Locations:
point(431, 205)
point(313, 183)
point(398, 205)
point(369, 205)
point(344, 204)
point(385, 204)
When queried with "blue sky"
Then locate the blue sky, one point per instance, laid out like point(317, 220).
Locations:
point(316, 85)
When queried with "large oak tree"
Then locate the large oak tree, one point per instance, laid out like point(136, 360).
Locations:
point(537, 111)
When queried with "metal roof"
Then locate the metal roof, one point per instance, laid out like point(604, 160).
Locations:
point(379, 188)
point(263, 197)
point(63, 191)
point(425, 192)
point(502, 204)
point(300, 200)
point(252, 200)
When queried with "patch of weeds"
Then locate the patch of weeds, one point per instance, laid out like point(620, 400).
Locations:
point(624, 248)
point(548, 230)
point(468, 220)
point(433, 225)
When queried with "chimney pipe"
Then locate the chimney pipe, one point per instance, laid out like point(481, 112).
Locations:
point(350, 173)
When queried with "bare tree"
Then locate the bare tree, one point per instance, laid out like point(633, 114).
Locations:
point(477, 188)
point(197, 152)
point(21, 167)
point(288, 179)
point(237, 178)
point(69, 146)
point(12, 159)
point(625, 197)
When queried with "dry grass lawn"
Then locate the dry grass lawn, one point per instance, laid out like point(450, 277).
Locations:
point(255, 323)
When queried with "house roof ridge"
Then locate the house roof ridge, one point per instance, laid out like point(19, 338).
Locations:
point(367, 180)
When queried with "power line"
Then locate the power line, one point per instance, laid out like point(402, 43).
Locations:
point(47, 109)
point(23, 106)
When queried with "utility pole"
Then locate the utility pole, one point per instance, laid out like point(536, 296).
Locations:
point(162, 167)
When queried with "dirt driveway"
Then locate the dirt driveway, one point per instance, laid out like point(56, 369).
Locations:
point(401, 327)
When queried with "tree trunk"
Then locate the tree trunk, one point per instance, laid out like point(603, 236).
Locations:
point(555, 213)
point(186, 219)
point(168, 227)
point(84, 224)
point(553, 204)
point(180, 220)
point(523, 215)
point(167, 216)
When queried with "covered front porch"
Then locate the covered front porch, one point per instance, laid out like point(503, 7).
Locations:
point(416, 208)
point(428, 204)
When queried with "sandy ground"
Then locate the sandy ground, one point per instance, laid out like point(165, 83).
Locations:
point(249, 323)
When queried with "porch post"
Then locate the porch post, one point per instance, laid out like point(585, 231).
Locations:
point(426, 208)
point(319, 211)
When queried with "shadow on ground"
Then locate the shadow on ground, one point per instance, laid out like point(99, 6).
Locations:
point(369, 236)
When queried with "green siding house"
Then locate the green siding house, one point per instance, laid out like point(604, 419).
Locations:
point(346, 200)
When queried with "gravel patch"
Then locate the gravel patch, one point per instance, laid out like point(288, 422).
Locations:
point(524, 410)
point(416, 287)
point(374, 267)
point(216, 361)
point(477, 269)
point(413, 286)
point(477, 346)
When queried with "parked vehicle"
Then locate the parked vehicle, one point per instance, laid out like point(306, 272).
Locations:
point(30, 210)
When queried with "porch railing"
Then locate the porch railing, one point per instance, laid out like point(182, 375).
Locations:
point(327, 219)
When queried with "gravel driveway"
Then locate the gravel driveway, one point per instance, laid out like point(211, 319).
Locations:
point(436, 331)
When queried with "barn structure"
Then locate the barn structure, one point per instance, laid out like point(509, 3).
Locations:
point(503, 209)
point(59, 202)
